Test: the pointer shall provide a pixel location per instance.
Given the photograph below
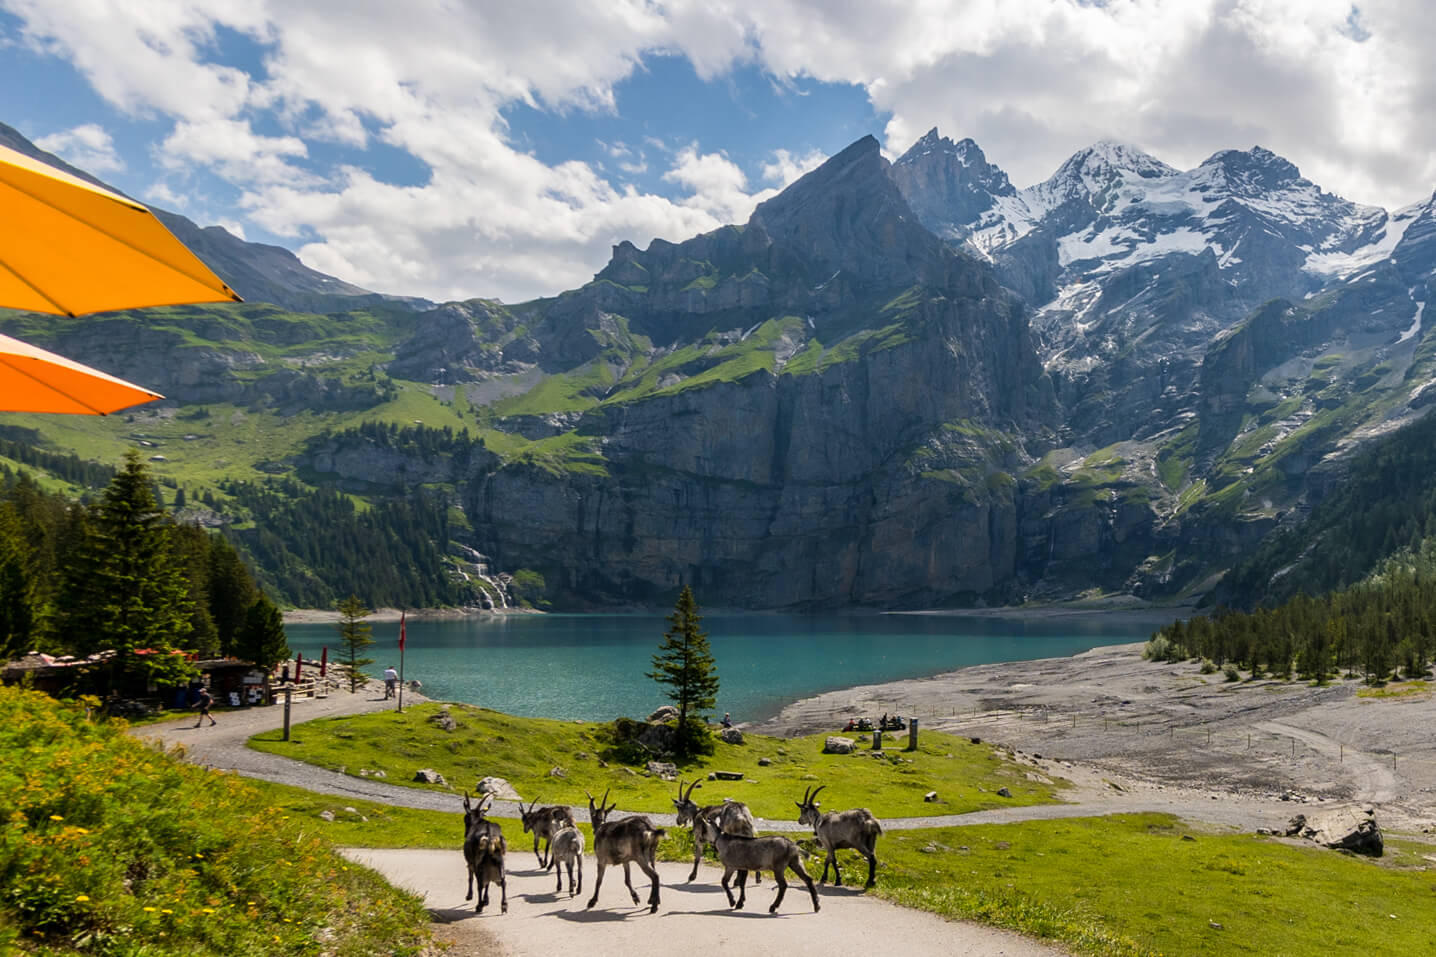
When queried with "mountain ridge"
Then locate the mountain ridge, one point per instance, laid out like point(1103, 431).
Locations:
point(849, 399)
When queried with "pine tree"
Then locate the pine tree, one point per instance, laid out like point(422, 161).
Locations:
point(685, 664)
point(17, 605)
point(232, 594)
point(261, 638)
point(354, 637)
point(124, 590)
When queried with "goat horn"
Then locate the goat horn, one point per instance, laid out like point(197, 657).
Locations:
point(814, 798)
point(805, 795)
point(689, 795)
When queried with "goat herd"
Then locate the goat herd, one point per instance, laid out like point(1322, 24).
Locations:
point(728, 827)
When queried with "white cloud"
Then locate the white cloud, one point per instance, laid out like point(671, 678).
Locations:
point(88, 146)
point(236, 152)
point(1353, 102)
point(785, 168)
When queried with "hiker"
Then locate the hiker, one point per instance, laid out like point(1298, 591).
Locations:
point(202, 701)
point(391, 682)
point(727, 722)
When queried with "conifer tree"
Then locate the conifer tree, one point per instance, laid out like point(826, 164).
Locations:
point(354, 637)
point(232, 594)
point(124, 590)
point(685, 664)
point(261, 637)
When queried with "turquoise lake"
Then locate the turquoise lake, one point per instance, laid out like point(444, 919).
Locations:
point(593, 666)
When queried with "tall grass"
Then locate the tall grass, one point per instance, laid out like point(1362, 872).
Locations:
point(110, 847)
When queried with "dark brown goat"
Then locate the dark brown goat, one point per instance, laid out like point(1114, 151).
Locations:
point(545, 822)
point(857, 829)
point(731, 817)
point(484, 852)
point(633, 840)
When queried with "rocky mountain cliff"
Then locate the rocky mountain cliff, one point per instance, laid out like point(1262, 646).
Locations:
point(896, 385)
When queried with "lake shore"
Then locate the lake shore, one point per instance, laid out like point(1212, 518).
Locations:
point(1118, 725)
point(323, 616)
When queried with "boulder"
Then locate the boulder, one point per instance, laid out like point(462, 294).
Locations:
point(430, 776)
point(665, 713)
point(1349, 829)
point(731, 736)
point(930, 797)
point(1004, 793)
point(658, 738)
point(836, 744)
point(725, 776)
point(501, 789)
point(444, 721)
point(663, 769)
point(764, 762)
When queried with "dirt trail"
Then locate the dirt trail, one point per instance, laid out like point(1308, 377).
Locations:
point(692, 918)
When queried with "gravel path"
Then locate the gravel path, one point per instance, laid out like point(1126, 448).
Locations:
point(692, 918)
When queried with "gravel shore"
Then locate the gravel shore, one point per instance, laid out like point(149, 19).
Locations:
point(1124, 730)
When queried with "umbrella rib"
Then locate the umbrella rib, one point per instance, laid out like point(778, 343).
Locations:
point(45, 385)
point(135, 208)
point(37, 290)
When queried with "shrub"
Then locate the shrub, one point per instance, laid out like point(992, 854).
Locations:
point(1208, 666)
point(1158, 648)
point(694, 738)
point(1231, 673)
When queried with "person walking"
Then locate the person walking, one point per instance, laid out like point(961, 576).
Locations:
point(391, 682)
point(203, 700)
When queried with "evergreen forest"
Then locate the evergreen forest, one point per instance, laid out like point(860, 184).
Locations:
point(119, 575)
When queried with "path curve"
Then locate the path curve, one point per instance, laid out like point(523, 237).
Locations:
point(692, 918)
point(222, 747)
point(1372, 779)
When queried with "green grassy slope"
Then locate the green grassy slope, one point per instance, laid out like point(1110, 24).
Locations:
point(109, 847)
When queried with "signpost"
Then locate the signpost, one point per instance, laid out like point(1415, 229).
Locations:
point(400, 708)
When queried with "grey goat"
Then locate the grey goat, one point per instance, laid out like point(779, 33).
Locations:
point(744, 854)
point(484, 851)
point(856, 829)
point(567, 849)
point(544, 822)
point(633, 840)
point(732, 817)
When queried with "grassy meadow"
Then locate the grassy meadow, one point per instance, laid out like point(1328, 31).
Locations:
point(1149, 884)
point(556, 761)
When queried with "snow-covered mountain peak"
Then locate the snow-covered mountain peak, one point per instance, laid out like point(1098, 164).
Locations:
point(1106, 157)
point(1254, 171)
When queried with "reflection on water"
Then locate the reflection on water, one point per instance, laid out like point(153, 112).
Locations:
point(593, 666)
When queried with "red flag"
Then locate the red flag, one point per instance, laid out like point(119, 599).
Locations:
point(401, 630)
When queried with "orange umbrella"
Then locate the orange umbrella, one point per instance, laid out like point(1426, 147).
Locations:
point(71, 247)
point(33, 380)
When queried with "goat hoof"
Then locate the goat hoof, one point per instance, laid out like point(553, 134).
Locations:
point(589, 905)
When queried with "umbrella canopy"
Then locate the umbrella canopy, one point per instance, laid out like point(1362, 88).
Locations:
point(70, 247)
point(33, 380)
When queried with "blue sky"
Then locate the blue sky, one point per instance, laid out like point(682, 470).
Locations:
point(453, 149)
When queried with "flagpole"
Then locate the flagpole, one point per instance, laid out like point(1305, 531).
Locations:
point(400, 708)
